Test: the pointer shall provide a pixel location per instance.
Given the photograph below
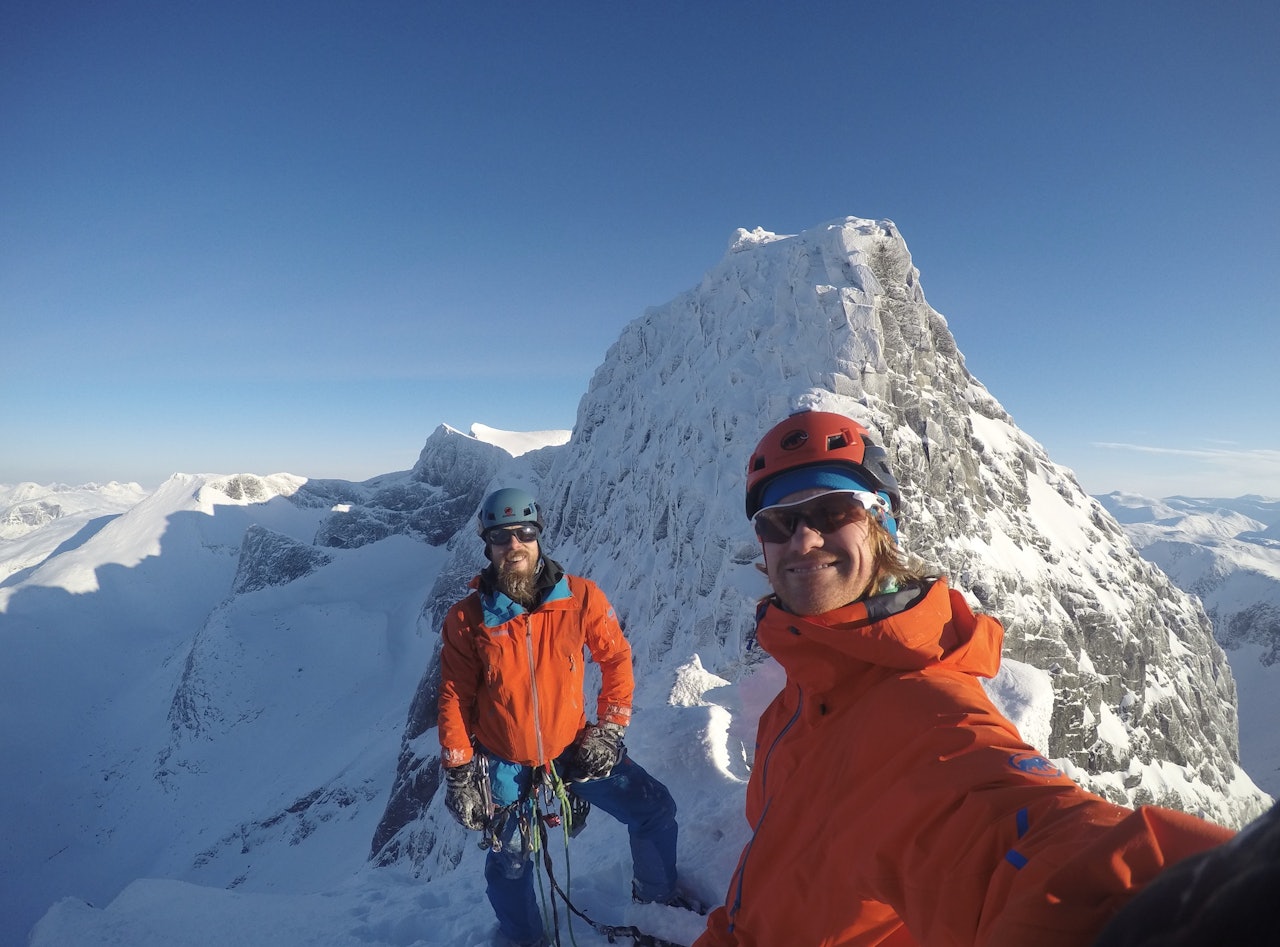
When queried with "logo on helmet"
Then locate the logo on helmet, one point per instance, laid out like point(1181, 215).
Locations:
point(794, 440)
point(508, 511)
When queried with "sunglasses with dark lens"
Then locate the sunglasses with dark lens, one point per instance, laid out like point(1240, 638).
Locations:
point(826, 513)
point(502, 535)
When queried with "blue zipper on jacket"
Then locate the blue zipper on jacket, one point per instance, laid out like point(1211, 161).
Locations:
point(768, 802)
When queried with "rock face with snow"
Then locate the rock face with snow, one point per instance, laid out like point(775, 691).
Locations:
point(269, 558)
point(441, 492)
point(647, 499)
point(1226, 553)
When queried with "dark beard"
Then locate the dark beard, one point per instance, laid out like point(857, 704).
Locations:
point(520, 587)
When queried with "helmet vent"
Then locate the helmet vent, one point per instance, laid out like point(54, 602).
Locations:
point(837, 441)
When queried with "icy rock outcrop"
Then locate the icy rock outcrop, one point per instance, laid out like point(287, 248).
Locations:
point(270, 558)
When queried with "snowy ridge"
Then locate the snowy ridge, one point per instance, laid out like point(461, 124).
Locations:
point(516, 443)
point(214, 685)
point(35, 521)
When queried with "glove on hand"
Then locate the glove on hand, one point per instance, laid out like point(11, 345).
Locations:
point(599, 749)
point(462, 796)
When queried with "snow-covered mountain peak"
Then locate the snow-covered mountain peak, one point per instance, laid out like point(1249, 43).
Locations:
point(646, 498)
point(836, 318)
point(744, 239)
point(27, 507)
point(232, 694)
point(515, 443)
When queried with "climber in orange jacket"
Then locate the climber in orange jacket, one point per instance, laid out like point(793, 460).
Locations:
point(490, 682)
point(890, 802)
point(511, 710)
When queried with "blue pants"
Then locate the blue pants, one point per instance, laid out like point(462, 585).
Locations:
point(629, 794)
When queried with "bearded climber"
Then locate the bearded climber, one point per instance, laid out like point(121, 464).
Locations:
point(512, 706)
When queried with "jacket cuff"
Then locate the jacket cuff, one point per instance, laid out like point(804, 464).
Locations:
point(614, 713)
point(451, 758)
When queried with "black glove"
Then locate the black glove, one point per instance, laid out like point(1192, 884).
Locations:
point(462, 796)
point(598, 750)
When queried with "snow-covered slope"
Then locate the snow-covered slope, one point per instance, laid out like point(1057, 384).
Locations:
point(213, 689)
point(37, 521)
point(142, 757)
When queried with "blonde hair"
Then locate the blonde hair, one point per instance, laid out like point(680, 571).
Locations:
point(893, 568)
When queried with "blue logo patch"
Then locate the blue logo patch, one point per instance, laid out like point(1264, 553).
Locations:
point(1035, 765)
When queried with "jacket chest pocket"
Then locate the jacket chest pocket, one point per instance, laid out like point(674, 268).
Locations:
point(502, 650)
point(567, 648)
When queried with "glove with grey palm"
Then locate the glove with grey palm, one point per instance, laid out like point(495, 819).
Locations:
point(463, 796)
point(597, 750)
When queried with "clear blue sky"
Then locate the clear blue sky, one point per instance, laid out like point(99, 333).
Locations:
point(247, 236)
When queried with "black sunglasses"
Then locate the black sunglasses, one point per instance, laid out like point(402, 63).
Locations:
point(502, 535)
point(826, 513)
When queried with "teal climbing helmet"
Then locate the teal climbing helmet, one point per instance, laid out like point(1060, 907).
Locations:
point(507, 507)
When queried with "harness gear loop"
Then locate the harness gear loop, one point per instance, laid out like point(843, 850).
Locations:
point(495, 816)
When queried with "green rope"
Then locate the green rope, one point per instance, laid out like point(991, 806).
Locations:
point(531, 829)
point(547, 786)
point(561, 795)
point(553, 789)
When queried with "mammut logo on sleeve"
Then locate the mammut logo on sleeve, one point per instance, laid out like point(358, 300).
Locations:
point(1035, 765)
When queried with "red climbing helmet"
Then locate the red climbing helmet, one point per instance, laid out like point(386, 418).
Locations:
point(831, 448)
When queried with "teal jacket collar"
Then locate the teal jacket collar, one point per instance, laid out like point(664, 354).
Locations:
point(499, 609)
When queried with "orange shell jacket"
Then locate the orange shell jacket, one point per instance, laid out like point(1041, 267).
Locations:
point(891, 803)
point(513, 679)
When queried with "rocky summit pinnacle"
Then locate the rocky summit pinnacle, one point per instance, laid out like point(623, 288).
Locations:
point(646, 497)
